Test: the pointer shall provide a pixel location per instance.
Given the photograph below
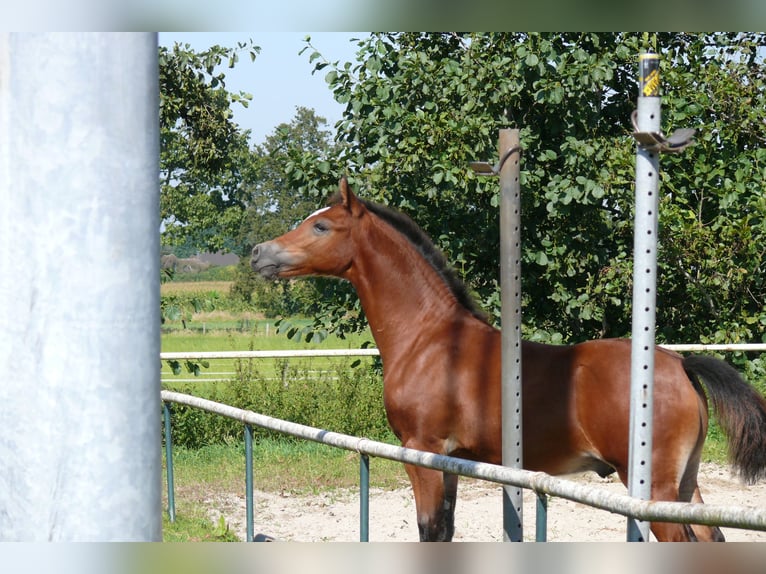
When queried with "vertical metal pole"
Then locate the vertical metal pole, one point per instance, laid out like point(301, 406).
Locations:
point(644, 294)
point(541, 522)
point(364, 498)
point(79, 288)
point(169, 462)
point(249, 482)
point(510, 290)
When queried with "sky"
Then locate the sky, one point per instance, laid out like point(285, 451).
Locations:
point(279, 79)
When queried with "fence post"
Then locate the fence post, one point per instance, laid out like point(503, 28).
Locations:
point(364, 498)
point(249, 482)
point(510, 287)
point(507, 168)
point(644, 294)
point(541, 522)
point(79, 288)
point(169, 461)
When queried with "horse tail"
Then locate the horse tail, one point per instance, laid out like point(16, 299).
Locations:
point(741, 412)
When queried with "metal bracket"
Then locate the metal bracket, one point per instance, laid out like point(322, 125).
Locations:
point(486, 168)
point(678, 141)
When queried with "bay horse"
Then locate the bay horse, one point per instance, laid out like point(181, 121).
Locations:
point(441, 373)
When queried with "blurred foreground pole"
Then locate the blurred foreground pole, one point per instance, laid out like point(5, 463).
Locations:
point(79, 288)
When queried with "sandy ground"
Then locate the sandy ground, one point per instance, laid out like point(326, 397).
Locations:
point(334, 516)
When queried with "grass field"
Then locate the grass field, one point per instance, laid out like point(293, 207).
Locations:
point(175, 287)
point(262, 336)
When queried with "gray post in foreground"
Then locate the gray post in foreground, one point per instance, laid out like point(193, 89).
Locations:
point(510, 287)
point(508, 168)
point(644, 295)
point(79, 288)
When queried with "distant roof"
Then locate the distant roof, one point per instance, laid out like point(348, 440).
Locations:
point(219, 258)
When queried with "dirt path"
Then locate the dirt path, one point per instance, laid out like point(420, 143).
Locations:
point(335, 516)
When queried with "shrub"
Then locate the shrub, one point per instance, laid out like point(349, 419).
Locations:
point(344, 399)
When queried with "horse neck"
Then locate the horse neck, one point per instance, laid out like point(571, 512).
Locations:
point(401, 294)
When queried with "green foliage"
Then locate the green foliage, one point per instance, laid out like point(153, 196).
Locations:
point(181, 306)
point(347, 400)
point(420, 107)
point(214, 273)
point(713, 215)
point(193, 526)
point(276, 299)
point(202, 151)
point(246, 281)
point(194, 428)
point(273, 205)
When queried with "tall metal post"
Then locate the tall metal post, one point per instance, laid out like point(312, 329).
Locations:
point(510, 290)
point(644, 293)
point(79, 288)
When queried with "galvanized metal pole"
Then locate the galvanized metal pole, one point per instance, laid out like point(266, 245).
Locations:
point(541, 516)
point(644, 293)
point(364, 498)
point(249, 503)
point(510, 291)
point(169, 461)
point(79, 288)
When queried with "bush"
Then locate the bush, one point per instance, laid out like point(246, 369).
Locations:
point(194, 428)
point(345, 399)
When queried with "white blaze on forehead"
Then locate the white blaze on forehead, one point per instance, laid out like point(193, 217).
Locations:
point(317, 212)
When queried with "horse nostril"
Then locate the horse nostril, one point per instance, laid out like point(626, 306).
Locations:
point(256, 252)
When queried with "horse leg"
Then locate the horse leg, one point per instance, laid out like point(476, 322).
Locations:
point(667, 485)
point(700, 532)
point(662, 489)
point(689, 492)
point(666, 531)
point(670, 488)
point(435, 496)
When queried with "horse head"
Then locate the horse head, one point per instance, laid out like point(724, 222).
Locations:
point(321, 245)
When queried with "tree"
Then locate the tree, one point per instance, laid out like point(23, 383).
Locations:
point(713, 213)
point(274, 205)
point(420, 107)
point(202, 150)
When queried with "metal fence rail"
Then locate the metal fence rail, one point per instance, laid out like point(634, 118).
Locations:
point(281, 354)
point(734, 517)
point(202, 355)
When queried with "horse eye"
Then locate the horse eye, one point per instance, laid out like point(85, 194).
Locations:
point(321, 227)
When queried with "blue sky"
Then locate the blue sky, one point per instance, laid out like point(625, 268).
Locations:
point(279, 79)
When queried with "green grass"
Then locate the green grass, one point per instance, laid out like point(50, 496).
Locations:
point(219, 340)
point(297, 466)
point(191, 525)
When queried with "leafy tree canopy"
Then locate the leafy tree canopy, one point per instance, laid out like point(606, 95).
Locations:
point(420, 107)
point(202, 151)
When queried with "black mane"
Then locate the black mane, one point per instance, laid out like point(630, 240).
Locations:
point(425, 246)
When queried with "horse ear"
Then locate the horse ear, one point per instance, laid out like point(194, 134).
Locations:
point(350, 202)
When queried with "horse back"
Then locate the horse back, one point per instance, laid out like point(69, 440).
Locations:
point(591, 382)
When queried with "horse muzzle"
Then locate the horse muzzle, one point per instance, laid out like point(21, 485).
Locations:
point(268, 259)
